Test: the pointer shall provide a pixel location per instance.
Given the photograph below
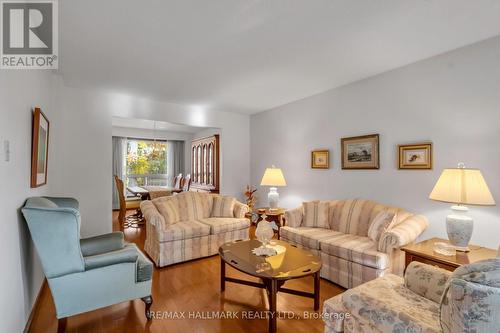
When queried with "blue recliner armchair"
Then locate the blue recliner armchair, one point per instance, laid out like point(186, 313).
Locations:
point(84, 274)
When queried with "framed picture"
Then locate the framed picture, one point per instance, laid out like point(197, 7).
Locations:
point(320, 159)
point(360, 152)
point(415, 156)
point(39, 148)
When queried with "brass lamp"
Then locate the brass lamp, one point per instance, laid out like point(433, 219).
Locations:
point(273, 177)
point(461, 187)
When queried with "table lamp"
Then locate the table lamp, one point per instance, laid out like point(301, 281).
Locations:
point(461, 187)
point(273, 177)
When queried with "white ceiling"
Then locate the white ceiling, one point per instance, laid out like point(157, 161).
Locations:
point(251, 55)
point(152, 125)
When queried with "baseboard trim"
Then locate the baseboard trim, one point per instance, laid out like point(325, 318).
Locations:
point(35, 308)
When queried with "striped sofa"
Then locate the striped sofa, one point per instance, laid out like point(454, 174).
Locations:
point(191, 225)
point(351, 249)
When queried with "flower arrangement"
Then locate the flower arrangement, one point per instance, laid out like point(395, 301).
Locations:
point(250, 196)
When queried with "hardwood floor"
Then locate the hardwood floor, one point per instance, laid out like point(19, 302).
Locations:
point(191, 289)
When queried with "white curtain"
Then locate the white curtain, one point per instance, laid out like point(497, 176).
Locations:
point(119, 165)
point(175, 159)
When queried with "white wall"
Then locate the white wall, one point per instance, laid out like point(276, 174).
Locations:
point(452, 100)
point(84, 156)
point(140, 133)
point(22, 275)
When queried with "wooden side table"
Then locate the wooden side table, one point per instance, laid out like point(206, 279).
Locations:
point(275, 215)
point(424, 252)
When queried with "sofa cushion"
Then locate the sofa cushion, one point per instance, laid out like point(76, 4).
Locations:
point(194, 205)
point(354, 216)
point(380, 224)
point(223, 206)
point(224, 224)
point(307, 236)
point(386, 304)
point(359, 249)
point(315, 214)
point(183, 230)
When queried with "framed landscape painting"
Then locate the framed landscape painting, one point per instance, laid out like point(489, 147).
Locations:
point(39, 149)
point(320, 159)
point(415, 156)
point(360, 152)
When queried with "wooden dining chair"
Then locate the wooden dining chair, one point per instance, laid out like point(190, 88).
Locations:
point(177, 183)
point(130, 221)
point(186, 184)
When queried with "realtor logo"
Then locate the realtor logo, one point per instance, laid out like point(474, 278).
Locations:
point(29, 35)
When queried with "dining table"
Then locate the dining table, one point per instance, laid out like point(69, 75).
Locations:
point(149, 192)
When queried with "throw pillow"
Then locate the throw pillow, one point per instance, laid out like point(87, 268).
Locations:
point(315, 214)
point(381, 222)
point(223, 206)
point(169, 209)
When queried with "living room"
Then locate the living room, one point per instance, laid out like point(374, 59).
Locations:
point(300, 86)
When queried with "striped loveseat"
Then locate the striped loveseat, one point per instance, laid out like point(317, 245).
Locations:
point(357, 240)
point(191, 225)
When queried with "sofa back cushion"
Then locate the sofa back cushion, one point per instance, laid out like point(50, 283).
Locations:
point(194, 205)
point(354, 216)
point(223, 206)
point(185, 206)
point(316, 214)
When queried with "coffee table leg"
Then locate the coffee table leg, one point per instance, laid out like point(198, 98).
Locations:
point(272, 292)
point(222, 275)
point(316, 291)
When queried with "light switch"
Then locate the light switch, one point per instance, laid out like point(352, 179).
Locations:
point(6, 150)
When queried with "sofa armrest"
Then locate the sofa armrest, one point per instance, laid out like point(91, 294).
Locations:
point(293, 217)
point(403, 233)
point(102, 243)
point(128, 254)
point(152, 215)
point(426, 280)
point(240, 209)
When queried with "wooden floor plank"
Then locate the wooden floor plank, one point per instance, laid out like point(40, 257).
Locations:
point(192, 288)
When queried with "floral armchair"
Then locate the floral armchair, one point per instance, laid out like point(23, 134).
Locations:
point(428, 299)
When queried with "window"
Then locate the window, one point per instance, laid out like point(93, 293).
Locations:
point(146, 162)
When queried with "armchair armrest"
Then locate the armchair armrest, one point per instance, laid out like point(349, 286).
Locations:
point(102, 243)
point(426, 280)
point(403, 233)
point(240, 209)
point(293, 217)
point(124, 255)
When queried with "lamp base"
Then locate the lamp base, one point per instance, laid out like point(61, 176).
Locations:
point(459, 227)
point(273, 197)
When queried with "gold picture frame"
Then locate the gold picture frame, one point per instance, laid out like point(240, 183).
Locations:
point(417, 156)
point(320, 159)
point(360, 152)
point(39, 148)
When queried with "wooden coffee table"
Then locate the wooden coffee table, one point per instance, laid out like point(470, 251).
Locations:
point(294, 263)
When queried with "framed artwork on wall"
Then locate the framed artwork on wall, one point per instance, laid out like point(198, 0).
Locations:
point(360, 152)
point(320, 159)
point(415, 156)
point(39, 148)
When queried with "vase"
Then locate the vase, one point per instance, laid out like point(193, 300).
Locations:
point(264, 232)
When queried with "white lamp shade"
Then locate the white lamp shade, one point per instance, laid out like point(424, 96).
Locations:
point(273, 177)
point(462, 186)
